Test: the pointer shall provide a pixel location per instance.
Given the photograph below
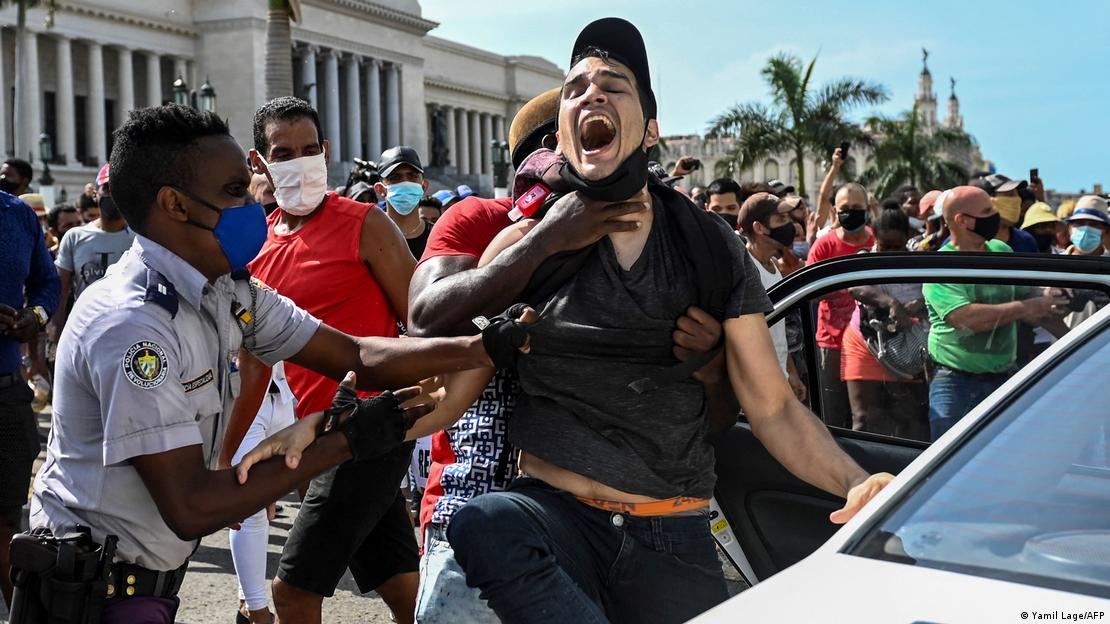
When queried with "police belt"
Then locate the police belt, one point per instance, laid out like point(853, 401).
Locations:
point(127, 580)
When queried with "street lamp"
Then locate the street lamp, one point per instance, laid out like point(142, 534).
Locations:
point(180, 91)
point(46, 154)
point(499, 156)
point(207, 97)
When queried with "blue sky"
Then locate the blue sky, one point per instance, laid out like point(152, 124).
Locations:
point(1033, 77)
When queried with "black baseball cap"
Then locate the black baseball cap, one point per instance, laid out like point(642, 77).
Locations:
point(780, 188)
point(623, 43)
point(397, 156)
point(998, 183)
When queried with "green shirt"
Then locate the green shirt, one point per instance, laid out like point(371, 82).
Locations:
point(993, 351)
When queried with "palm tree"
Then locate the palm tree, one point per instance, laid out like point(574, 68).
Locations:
point(799, 120)
point(910, 153)
point(279, 47)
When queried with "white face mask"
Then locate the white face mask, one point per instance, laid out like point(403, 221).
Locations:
point(299, 184)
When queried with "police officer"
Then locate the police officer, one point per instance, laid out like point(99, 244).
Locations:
point(146, 368)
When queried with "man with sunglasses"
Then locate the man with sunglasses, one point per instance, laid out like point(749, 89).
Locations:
point(147, 369)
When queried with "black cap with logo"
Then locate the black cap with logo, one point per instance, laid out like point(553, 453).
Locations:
point(397, 156)
point(625, 45)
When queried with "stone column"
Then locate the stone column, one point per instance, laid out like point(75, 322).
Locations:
point(181, 68)
point(331, 105)
point(97, 134)
point(308, 73)
point(475, 143)
point(373, 70)
point(126, 100)
point(452, 140)
point(67, 136)
point(354, 110)
point(487, 138)
point(499, 128)
point(154, 79)
point(463, 122)
point(393, 106)
point(28, 114)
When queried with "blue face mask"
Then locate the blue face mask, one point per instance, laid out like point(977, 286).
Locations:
point(240, 231)
point(1086, 238)
point(404, 196)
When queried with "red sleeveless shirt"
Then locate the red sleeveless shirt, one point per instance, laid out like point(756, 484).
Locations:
point(319, 267)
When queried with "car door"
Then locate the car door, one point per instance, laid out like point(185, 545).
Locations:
point(765, 518)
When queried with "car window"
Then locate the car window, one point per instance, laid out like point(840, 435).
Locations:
point(1027, 497)
point(909, 360)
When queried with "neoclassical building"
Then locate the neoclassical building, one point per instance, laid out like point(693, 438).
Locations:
point(370, 67)
point(785, 166)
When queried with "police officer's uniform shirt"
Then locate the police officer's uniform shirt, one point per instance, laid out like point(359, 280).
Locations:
point(146, 364)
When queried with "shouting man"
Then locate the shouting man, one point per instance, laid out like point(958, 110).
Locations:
point(613, 519)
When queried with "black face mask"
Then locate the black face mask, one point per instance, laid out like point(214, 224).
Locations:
point(852, 220)
point(8, 186)
point(270, 207)
point(987, 227)
point(629, 178)
point(1044, 242)
point(108, 209)
point(730, 219)
point(783, 234)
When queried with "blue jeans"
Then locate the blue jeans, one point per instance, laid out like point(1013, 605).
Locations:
point(540, 556)
point(444, 597)
point(953, 394)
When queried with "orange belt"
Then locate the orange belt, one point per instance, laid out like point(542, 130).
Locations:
point(667, 507)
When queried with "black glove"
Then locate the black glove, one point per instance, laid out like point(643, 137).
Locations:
point(377, 426)
point(504, 335)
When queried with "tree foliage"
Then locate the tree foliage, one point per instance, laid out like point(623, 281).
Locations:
point(800, 119)
point(909, 153)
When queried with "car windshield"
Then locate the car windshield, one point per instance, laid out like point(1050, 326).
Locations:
point(1027, 498)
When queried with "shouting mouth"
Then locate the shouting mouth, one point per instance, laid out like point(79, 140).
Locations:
point(596, 132)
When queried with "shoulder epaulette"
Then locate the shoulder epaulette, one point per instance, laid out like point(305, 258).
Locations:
point(161, 292)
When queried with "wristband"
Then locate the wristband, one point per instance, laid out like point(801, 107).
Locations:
point(376, 427)
point(503, 336)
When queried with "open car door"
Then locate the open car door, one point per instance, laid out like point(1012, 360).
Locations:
point(766, 519)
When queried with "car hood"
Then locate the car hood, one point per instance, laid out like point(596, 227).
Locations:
point(833, 587)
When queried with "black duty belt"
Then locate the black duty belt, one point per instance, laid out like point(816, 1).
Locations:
point(8, 380)
point(127, 580)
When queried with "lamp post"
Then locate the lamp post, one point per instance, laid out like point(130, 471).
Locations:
point(207, 97)
point(499, 157)
point(180, 91)
point(46, 154)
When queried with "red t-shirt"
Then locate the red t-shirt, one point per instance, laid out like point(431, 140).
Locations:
point(465, 229)
point(320, 268)
point(835, 310)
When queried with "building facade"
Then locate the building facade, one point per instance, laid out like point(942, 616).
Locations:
point(784, 166)
point(370, 68)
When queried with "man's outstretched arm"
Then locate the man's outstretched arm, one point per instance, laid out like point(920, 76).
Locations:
point(792, 433)
point(388, 362)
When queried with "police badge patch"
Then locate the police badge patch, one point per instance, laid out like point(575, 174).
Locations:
point(145, 364)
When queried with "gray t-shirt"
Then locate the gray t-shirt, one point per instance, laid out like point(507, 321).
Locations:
point(576, 410)
point(88, 251)
point(147, 364)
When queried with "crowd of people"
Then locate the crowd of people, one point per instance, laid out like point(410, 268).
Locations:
point(948, 346)
point(211, 320)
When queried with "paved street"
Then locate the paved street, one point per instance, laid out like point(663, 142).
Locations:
point(209, 595)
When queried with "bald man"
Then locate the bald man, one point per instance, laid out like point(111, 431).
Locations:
point(834, 313)
point(973, 340)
